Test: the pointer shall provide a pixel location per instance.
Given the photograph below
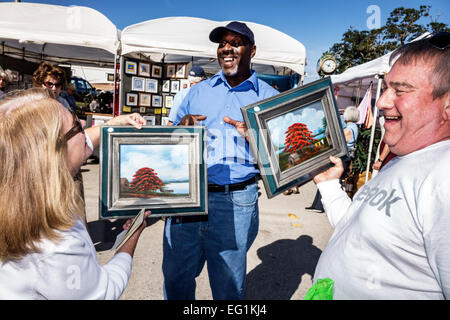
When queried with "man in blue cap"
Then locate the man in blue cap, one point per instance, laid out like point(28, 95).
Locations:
point(196, 74)
point(223, 237)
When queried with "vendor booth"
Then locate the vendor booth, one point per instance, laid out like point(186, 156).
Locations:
point(156, 56)
point(31, 33)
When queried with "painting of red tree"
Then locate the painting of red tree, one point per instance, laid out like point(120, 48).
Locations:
point(146, 179)
point(297, 138)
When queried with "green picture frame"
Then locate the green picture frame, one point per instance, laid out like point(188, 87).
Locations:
point(159, 168)
point(294, 133)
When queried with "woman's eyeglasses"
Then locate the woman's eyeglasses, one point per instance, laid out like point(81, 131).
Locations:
point(77, 128)
point(50, 84)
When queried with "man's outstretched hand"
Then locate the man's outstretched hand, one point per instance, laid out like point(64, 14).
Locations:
point(334, 172)
point(239, 125)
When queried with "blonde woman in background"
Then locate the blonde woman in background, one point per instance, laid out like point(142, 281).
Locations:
point(45, 249)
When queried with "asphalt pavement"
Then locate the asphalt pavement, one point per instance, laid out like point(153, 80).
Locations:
point(280, 263)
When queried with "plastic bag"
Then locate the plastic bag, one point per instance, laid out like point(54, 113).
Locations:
point(321, 290)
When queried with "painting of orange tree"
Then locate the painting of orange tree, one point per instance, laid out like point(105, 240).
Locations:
point(149, 171)
point(299, 135)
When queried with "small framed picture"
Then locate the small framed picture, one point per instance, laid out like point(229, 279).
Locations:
point(156, 71)
point(184, 84)
point(156, 101)
point(144, 69)
point(165, 86)
point(131, 99)
point(168, 103)
point(145, 99)
point(130, 67)
point(126, 109)
point(151, 120)
point(170, 71)
point(174, 86)
point(151, 85)
point(110, 77)
point(180, 71)
point(157, 110)
point(142, 110)
point(137, 84)
point(164, 121)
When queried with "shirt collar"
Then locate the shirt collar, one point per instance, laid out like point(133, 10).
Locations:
point(219, 78)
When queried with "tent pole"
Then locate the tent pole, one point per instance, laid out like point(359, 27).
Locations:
point(375, 116)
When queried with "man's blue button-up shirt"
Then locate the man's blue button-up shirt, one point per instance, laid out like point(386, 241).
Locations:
point(228, 156)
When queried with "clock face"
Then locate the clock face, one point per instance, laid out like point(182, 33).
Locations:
point(328, 66)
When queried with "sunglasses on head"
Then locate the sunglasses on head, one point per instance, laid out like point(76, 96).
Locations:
point(50, 84)
point(440, 40)
point(76, 128)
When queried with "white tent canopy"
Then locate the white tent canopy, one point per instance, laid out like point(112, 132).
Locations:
point(177, 38)
point(71, 35)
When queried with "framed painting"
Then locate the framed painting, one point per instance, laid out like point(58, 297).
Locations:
point(184, 84)
point(156, 101)
point(159, 168)
point(145, 99)
point(165, 86)
point(131, 99)
point(180, 71)
point(151, 120)
point(168, 103)
point(130, 67)
point(151, 85)
point(174, 86)
point(171, 70)
point(144, 69)
point(156, 71)
point(137, 84)
point(293, 134)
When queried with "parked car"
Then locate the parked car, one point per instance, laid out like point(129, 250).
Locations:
point(85, 92)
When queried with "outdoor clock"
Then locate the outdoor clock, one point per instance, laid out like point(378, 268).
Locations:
point(328, 64)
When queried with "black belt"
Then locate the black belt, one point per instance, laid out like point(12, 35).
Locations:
point(232, 187)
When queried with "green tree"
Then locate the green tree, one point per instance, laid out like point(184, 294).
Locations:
point(357, 47)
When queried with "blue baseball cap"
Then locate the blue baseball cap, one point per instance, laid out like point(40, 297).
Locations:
point(197, 71)
point(235, 26)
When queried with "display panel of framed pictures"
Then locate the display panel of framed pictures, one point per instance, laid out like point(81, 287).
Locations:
point(165, 86)
point(169, 178)
point(174, 86)
point(168, 103)
point(171, 70)
point(156, 71)
point(151, 85)
point(144, 69)
point(294, 133)
point(156, 100)
point(180, 71)
point(145, 100)
point(137, 84)
point(130, 67)
point(131, 99)
point(184, 84)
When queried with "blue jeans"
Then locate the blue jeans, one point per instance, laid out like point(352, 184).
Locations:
point(221, 238)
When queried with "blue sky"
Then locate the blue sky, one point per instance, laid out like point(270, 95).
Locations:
point(169, 161)
point(316, 24)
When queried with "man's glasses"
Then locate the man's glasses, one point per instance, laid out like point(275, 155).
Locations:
point(440, 40)
point(77, 128)
point(235, 43)
point(50, 84)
